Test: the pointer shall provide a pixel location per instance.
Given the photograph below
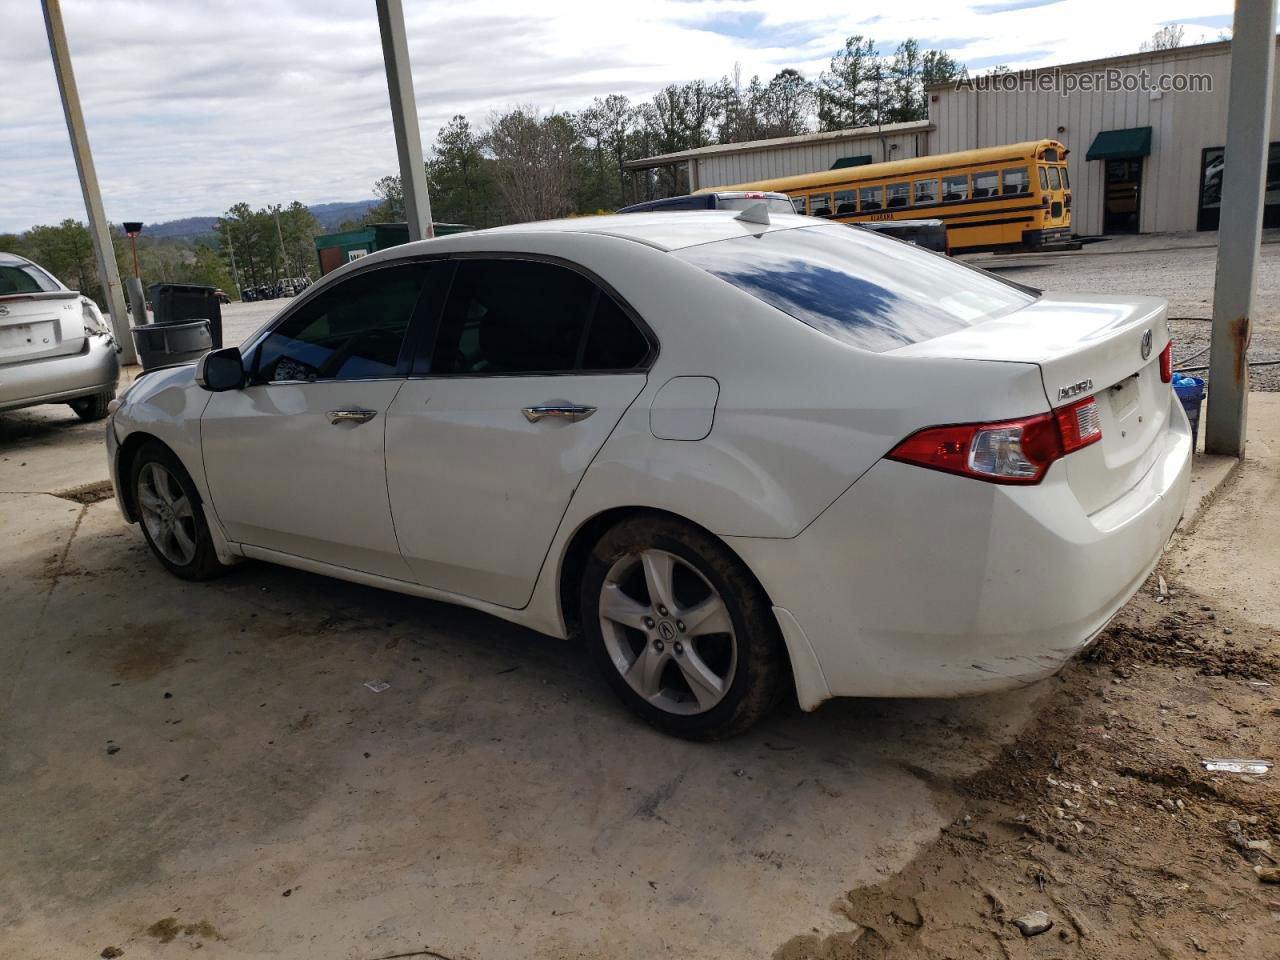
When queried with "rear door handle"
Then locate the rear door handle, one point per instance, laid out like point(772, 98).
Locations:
point(572, 412)
point(356, 415)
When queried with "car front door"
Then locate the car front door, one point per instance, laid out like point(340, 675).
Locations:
point(531, 368)
point(295, 460)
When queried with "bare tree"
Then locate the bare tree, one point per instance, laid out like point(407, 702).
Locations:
point(533, 162)
point(1168, 37)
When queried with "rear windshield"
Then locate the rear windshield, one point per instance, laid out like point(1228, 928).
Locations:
point(865, 290)
point(772, 204)
point(24, 278)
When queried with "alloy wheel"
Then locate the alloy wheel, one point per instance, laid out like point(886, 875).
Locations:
point(167, 513)
point(668, 632)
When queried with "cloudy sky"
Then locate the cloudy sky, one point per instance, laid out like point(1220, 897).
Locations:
point(195, 105)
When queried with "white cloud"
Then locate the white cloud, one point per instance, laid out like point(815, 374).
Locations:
point(193, 106)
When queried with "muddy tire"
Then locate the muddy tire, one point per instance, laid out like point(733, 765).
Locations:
point(93, 407)
point(171, 514)
point(680, 629)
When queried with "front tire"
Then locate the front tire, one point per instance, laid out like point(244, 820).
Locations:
point(680, 629)
point(93, 407)
point(171, 514)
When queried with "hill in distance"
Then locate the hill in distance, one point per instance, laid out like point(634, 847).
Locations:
point(328, 214)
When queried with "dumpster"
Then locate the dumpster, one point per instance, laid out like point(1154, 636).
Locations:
point(182, 302)
point(164, 344)
point(1190, 391)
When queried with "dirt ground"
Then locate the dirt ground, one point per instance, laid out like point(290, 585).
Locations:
point(1100, 813)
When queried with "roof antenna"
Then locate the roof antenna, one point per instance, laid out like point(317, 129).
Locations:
point(756, 213)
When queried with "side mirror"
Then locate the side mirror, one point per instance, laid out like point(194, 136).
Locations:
point(221, 370)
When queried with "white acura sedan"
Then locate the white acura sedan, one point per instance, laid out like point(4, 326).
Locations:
point(741, 458)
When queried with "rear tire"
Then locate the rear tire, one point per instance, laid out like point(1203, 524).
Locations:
point(680, 629)
point(93, 407)
point(171, 514)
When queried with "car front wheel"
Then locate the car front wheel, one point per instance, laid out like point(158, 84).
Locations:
point(680, 629)
point(171, 514)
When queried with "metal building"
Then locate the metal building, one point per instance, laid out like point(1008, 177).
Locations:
point(1146, 138)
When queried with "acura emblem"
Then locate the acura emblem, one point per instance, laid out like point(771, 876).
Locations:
point(1146, 345)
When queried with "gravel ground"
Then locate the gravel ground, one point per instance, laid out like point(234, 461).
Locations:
point(1183, 275)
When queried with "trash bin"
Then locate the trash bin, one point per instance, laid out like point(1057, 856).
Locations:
point(1190, 391)
point(180, 302)
point(163, 344)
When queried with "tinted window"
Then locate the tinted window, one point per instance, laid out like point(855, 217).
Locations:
point(353, 331)
point(896, 194)
point(846, 202)
point(955, 188)
point(857, 287)
point(24, 278)
point(526, 316)
point(870, 198)
point(986, 184)
point(1016, 180)
point(820, 204)
point(926, 191)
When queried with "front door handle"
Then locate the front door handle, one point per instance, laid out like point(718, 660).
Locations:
point(571, 412)
point(356, 415)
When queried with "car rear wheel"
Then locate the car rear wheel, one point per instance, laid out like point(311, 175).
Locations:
point(93, 407)
point(681, 631)
point(171, 514)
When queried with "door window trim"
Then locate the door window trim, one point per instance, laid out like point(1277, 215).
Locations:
point(421, 361)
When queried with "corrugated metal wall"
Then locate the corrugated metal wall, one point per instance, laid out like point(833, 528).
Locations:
point(747, 167)
point(1183, 124)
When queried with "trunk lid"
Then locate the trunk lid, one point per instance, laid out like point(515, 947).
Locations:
point(1086, 345)
point(43, 324)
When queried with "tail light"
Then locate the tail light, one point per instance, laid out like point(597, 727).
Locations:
point(1166, 363)
point(1066, 200)
point(1009, 452)
point(1044, 200)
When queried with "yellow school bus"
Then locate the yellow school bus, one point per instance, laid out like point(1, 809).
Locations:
point(1017, 195)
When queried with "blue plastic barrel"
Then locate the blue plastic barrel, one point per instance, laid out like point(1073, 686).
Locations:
point(1190, 391)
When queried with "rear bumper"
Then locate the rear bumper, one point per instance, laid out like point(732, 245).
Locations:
point(59, 379)
point(919, 583)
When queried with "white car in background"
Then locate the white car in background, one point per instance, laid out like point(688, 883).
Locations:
point(55, 346)
point(739, 457)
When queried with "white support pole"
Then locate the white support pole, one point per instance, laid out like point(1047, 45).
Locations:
point(1244, 176)
point(404, 118)
point(99, 228)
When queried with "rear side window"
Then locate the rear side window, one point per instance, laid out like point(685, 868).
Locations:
point(820, 205)
point(1015, 180)
point(846, 202)
point(955, 188)
point(986, 184)
point(871, 198)
point(861, 289)
point(352, 331)
point(896, 194)
point(926, 191)
point(511, 317)
point(25, 278)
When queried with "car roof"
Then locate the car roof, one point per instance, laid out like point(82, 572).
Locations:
point(662, 229)
point(12, 260)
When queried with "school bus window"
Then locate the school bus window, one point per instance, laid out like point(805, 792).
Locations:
point(897, 195)
point(986, 184)
point(1055, 182)
point(1066, 184)
point(1015, 180)
point(1044, 179)
point(846, 202)
point(926, 191)
point(871, 198)
point(820, 204)
point(955, 188)
point(798, 203)
point(1051, 156)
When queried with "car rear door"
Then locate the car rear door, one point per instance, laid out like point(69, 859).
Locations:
point(295, 461)
point(532, 366)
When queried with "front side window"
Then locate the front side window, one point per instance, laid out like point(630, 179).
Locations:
point(1055, 181)
point(511, 317)
point(1015, 180)
point(857, 287)
point(871, 198)
point(986, 184)
point(955, 188)
point(820, 204)
point(926, 191)
point(846, 202)
point(353, 331)
point(897, 195)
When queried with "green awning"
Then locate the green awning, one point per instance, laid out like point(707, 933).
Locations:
point(858, 161)
point(1121, 144)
